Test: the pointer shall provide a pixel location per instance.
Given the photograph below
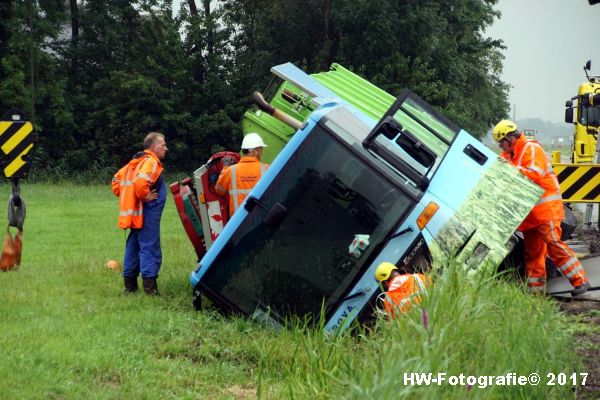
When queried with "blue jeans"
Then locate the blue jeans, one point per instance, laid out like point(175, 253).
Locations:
point(142, 251)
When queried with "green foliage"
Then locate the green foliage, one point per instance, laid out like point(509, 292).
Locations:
point(68, 330)
point(485, 328)
point(138, 66)
point(14, 87)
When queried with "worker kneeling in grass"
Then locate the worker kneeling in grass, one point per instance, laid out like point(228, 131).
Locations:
point(401, 288)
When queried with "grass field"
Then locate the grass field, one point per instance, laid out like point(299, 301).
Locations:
point(68, 332)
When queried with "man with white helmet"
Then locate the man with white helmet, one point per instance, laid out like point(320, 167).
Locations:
point(239, 179)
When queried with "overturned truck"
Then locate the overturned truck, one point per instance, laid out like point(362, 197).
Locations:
point(360, 177)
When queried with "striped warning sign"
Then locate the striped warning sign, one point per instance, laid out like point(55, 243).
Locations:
point(579, 183)
point(16, 141)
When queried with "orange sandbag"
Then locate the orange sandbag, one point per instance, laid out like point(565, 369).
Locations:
point(18, 246)
point(11, 251)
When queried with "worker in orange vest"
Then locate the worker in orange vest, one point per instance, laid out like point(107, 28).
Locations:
point(142, 193)
point(541, 228)
point(401, 290)
point(239, 179)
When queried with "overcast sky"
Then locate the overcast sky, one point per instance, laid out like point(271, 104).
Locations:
point(548, 42)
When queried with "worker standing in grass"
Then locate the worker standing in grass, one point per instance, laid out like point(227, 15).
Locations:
point(401, 289)
point(541, 228)
point(239, 179)
point(142, 193)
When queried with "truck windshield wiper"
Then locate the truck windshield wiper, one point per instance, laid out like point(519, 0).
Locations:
point(397, 234)
point(358, 293)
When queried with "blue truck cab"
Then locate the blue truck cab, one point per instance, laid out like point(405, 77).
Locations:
point(348, 192)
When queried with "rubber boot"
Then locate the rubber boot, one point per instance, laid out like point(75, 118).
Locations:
point(131, 284)
point(150, 286)
point(581, 289)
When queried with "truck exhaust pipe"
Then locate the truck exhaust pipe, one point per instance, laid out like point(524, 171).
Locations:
point(287, 119)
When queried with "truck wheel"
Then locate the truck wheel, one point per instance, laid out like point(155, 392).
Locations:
point(197, 299)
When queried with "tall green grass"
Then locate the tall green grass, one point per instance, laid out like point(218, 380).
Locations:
point(490, 327)
point(69, 332)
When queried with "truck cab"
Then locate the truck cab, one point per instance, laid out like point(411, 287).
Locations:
point(585, 116)
point(349, 191)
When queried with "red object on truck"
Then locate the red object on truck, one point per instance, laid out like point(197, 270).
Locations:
point(202, 211)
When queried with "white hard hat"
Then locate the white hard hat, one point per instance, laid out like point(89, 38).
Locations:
point(252, 141)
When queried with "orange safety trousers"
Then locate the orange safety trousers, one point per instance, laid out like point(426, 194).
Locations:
point(544, 240)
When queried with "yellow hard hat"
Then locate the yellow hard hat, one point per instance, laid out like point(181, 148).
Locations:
point(502, 129)
point(383, 272)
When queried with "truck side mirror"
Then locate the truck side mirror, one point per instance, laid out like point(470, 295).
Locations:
point(569, 103)
point(569, 115)
point(588, 65)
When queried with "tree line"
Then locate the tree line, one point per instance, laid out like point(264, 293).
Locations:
point(96, 75)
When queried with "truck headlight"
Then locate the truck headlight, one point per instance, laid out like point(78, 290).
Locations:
point(477, 256)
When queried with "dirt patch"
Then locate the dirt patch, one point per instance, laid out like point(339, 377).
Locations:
point(239, 392)
point(586, 314)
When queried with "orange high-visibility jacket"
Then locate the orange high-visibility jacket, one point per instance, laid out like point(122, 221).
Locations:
point(132, 184)
point(530, 158)
point(239, 179)
point(404, 290)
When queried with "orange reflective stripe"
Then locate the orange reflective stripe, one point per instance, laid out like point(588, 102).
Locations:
point(148, 173)
point(131, 208)
point(532, 167)
point(130, 212)
point(554, 197)
point(144, 176)
point(397, 282)
point(233, 191)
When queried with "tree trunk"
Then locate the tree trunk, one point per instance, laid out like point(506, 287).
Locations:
point(74, 41)
point(193, 8)
point(332, 38)
point(31, 58)
point(210, 28)
point(74, 22)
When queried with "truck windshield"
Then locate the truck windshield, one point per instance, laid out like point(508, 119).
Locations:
point(590, 115)
point(331, 196)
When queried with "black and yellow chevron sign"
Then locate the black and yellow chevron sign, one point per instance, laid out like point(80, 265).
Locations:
point(579, 183)
point(16, 141)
